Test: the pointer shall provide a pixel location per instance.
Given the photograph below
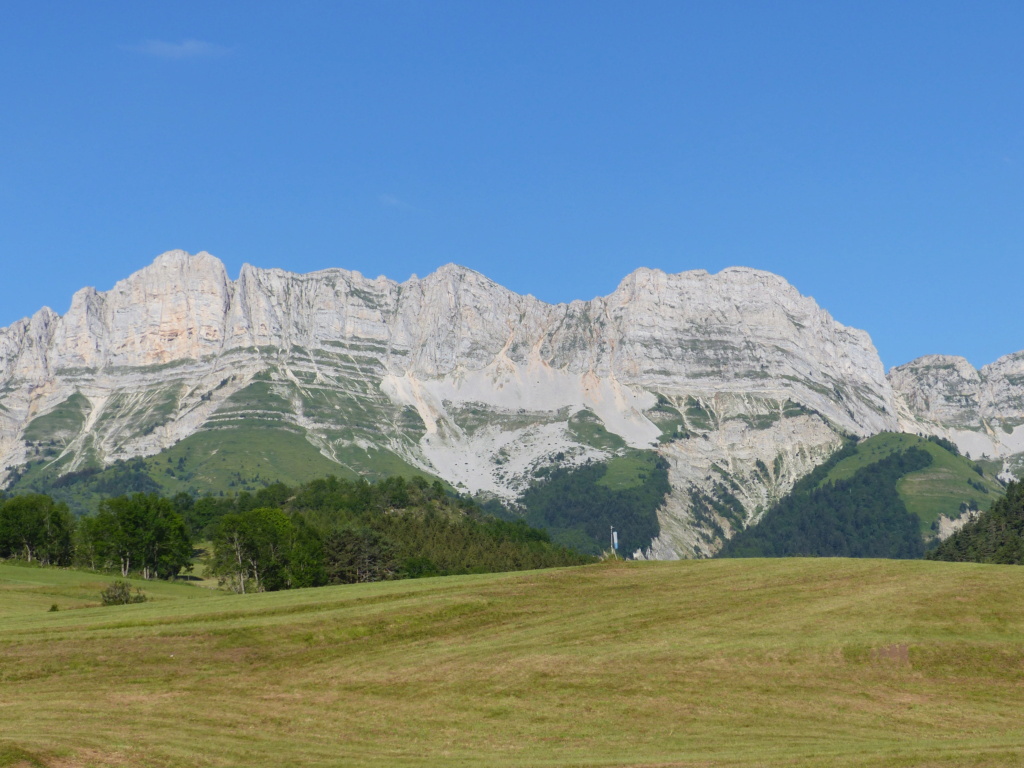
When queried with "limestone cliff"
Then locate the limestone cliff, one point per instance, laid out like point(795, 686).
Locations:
point(981, 411)
point(739, 381)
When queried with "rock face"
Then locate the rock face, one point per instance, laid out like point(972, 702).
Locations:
point(740, 382)
point(981, 411)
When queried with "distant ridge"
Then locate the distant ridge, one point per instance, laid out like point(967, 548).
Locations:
point(741, 385)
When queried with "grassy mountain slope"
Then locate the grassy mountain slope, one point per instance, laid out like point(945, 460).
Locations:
point(220, 461)
point(886, 496)
point(796, 662)
point(578, 506)
point(860, 516)
point(938, 489)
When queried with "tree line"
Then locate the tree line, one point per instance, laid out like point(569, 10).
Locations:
point(141, 534)
point(334, 531)
point(329, 531)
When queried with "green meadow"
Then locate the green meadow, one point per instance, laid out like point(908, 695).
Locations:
point(791, 662)
point(936, 490)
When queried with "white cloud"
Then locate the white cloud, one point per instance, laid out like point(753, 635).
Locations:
point(186, 49)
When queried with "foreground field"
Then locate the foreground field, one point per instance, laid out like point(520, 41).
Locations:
point(796, 662)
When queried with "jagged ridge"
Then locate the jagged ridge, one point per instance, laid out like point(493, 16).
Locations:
point(741, 383)
point(981, 411)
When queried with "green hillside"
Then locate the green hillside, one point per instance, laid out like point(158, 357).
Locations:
point(859, 516)
point(939, 489)
point(797, 662)
point(221, 461)
point(881, 497)
point(579, 505)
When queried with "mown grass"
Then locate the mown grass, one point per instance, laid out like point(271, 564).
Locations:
point(794, 662)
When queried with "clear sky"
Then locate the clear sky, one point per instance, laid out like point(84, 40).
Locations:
point(872, 153)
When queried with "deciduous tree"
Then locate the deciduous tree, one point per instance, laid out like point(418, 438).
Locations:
point(36, 528)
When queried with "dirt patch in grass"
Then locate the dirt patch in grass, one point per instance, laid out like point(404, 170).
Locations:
point(897, 653)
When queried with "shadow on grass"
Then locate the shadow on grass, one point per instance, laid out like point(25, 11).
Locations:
point(12, 756)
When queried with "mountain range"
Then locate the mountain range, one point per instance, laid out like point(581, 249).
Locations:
point(738, 383)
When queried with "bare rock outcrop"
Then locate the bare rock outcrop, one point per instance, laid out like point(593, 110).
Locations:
point(739, 381)
point(982, 411)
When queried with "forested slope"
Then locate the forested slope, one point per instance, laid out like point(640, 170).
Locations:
point(862, 516)
point(996, 536)
point(887, 496)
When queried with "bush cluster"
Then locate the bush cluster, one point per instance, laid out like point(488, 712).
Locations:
point(121, 593)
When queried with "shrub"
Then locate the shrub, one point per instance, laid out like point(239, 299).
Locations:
point(120, 593)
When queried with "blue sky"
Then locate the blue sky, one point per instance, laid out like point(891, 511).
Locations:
point(872, 153)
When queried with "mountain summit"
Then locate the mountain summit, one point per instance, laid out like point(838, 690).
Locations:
point(738, 382)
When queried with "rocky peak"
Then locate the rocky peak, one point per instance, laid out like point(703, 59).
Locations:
point(981, 411)
point(940, 388)
point(731, 372)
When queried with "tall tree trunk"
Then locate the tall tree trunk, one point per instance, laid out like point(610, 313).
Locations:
point(238, 559)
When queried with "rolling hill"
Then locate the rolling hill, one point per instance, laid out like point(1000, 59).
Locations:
point(938, 494)
point(793, 662)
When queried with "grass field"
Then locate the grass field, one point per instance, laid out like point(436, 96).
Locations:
point(793, 662)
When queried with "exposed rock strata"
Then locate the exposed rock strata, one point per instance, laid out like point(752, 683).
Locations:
point(981, 411)
point(457, 375)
